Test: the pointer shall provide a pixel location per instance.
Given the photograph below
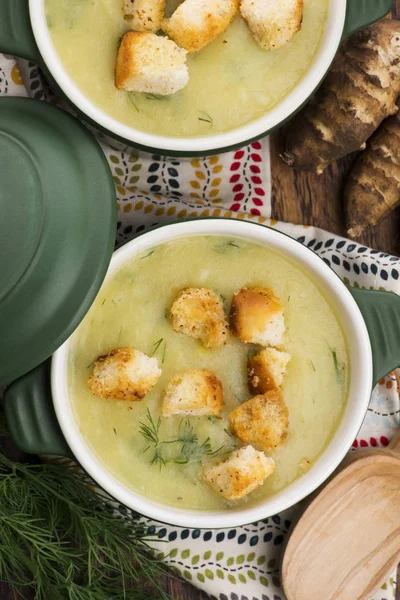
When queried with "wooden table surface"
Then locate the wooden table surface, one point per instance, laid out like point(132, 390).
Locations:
point(311, 200)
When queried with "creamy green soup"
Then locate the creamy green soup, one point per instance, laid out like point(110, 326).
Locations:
point(232, 80)
point(132, 310)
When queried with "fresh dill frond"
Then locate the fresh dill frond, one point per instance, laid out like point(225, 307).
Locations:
point(223, 247)
point(206, 118)
point(132, 101)
point(154, 97)
point(150, 431)
point(189, 449)
point(192, 450)
point(149, 254)
point(339, 367)
point(157, 345)
point(164, 352)
point(61, 539)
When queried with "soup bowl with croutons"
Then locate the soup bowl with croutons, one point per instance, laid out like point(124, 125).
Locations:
point(189, 77)
point(220, 376)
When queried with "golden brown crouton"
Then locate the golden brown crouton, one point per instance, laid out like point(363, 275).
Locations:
point(266, 370)
point(243, 472)
point(124, 374)
point(149, 63)
point(144, 15)
point(262, 421)
point(199, 313)
point(272, 22)
point(195, 23)
point(257, 317)
point(196, 392)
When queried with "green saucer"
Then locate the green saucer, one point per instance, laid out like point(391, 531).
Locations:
point(57, 230)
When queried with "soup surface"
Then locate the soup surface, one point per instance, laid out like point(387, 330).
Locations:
point(232, 80)
point(132, 310)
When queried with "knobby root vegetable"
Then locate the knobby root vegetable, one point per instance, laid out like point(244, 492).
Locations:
point(359, 92)
point(373, 187)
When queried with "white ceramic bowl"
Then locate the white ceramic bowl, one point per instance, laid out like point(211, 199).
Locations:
point(345, 16)
point(358, 397)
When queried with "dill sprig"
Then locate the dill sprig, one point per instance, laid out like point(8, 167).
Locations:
point(150, 432)
point(65, 541)
point(339, 366)
point(224, 246)
point(157, 345)
point(205, 117)
point(190, 450)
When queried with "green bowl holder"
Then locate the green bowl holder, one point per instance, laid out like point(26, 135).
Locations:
point(16, 37)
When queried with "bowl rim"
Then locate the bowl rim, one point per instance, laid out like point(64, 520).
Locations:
point(234, 138)
point(360, 384)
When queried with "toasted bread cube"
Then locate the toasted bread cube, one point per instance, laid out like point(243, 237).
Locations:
point(149, 63)
point(195, 23)
point(266, 370)
point(196, 392)
point(257, 317)
point(244, 471)
point(273, 23)
point(144, 15)
point(262, 421)
point(199, 313)
point(124, 374)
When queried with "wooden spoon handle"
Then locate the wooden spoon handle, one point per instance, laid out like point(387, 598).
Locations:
point(395, 443)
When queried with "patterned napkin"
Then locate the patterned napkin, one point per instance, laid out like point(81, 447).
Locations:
point(241, 563)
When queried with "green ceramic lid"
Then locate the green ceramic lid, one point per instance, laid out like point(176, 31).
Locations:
point(57, 230)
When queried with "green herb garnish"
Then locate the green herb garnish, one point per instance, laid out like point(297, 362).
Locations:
point(60, 539)
point(150, 432)
point(154, 97)
point(132, 101)
point(312, 365)
point(191, 449)
point(206, 118)
point(212, 419)
point(115, 431)
point(224, 246)
point(149, 254)
point(157, 345)
point(339, 367)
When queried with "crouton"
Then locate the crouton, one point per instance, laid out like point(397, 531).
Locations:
point(243, 472)
point(256, 316)
point(266, 370)
point(149, 63)
point(195, 23)
point(124, 374)
point(196, 392)
point(144, 15)
point(199, 313)
point(262, 421)
point(273, 23)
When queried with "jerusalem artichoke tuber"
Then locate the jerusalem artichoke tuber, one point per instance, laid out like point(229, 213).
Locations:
point(359, 92)
point(373, 188)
